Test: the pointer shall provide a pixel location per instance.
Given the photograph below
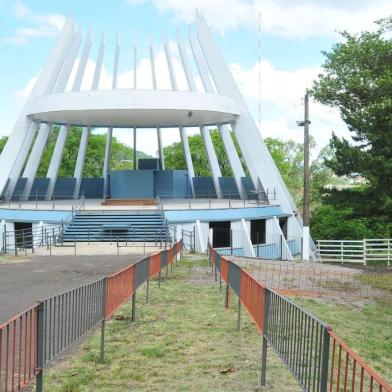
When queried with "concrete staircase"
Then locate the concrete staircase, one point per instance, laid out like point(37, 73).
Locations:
point(97, 226)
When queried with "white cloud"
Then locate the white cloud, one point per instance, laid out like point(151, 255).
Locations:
point(40, 25)
point(281, 97)
point(287, 18)
point(282, 102)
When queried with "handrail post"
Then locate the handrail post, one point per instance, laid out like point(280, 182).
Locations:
point(325, 360)
point(40, 347)
point(133, 313)
point(267, 294)
point(103, 318)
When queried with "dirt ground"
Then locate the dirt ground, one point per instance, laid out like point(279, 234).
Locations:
point(341, 284)
point(25, 280)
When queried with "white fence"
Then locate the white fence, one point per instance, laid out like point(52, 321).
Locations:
point(355, 251)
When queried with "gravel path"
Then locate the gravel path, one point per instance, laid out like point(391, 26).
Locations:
point(25, 281)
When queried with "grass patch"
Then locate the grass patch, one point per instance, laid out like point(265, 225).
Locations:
point(183, 340)
point(377, 281)
point(367, 329)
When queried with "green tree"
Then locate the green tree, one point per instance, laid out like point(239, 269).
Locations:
point(174, 157)
point(3, 140)
point(357, 79)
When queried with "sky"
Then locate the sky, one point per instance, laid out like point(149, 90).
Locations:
point(292, 33)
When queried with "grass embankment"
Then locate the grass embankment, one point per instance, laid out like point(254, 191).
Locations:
point(366, 328)
point(183, 340)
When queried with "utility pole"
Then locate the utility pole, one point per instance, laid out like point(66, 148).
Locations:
point(305, 232)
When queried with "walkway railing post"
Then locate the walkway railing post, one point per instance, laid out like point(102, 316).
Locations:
point(133, 317)
point(239, 315)
point(265, 334)
point(147, 289)
point(103, 318)
point(227, 297)
point(40, 347)
point(325, 360)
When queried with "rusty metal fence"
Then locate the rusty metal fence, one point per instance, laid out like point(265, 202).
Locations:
point(318, 359)
point(30, 340)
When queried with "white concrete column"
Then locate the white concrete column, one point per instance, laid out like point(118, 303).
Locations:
point(152, 62)
point(21, 158)
point(63, 133)
point(200, 245)
point(212, 160)
point(80, 160)
point(170, 64)
point(134, 148)
point(56, 160)
point(32, 165)
point(135, 67)
point(305, 243)
point(233, 157)
point(2, 230)
point(255, 151)
point(106, 163)
point(160, 148)
point(78, 174)
point(82, 63)
point(24, 130)
point(247, 239)
point(201, 64)
point(188, 157)
point(108, 148)
point(185, 63)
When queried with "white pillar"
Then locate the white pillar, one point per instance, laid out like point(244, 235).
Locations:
point(201, 64)
point(185, 63)
point(23, 133)
point(106, 164)
point(32, 165)
point(160, 148)
point(305, 243)
point(170, 64)
point(21, 158)
point(80, 160)
point(212, 160)
point(63, 133)
point(78, 174)
point(56, 160)
point(108, 148)
point(233, 157)
point(188, 157)
point(247, 239)
point(82, 63)
point(135, 67)
point(200, 246)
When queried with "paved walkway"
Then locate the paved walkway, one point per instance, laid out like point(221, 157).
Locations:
point(23, 281)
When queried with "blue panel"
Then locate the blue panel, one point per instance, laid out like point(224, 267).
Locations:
point(131, 184)
point(33, 215)
point(294, 247)
point(38, 191)
point(250, 190)
point(235, 277)
point(267, 251)
point(229, 188)
point(171, 184)
point(64, 188)
point(142, 269)
point(91, 188)
point(224, 214)
point(4, 194)
point(204, 187)
point(149, 164)
point(20, 184)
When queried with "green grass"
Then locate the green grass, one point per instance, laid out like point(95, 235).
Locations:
point(366, 328)
point(183, 340)
point(378, 281)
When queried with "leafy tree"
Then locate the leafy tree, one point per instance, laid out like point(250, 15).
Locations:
point(357, 78)
point(3, 140)
point(174, 157)
point(121, 155)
